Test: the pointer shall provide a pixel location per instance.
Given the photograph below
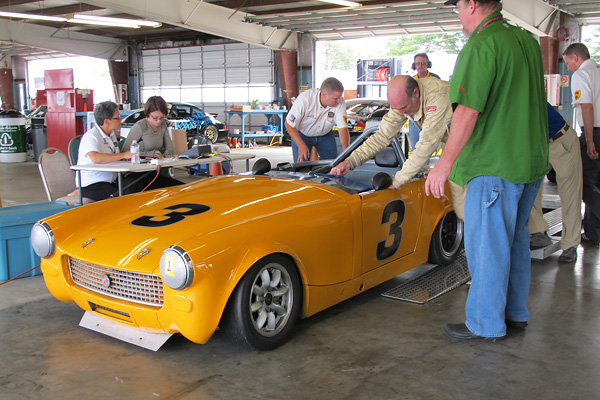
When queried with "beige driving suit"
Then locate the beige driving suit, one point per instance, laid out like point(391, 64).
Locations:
point(433, 118)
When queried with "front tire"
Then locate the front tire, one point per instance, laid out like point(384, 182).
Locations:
point(447, 240)
point(264, 306)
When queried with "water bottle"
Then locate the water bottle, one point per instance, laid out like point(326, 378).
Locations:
point(135, 152)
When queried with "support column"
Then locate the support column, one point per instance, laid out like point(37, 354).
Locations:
point(549, 47)
point(287, 65)
point(119, 74)
point(6, 88)
point(6, 83)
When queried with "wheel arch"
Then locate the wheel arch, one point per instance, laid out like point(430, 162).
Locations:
point(235, 321)
point(251, 259)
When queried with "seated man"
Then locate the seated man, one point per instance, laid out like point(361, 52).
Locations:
point(98, 147)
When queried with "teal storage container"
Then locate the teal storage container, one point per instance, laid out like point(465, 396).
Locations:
point(16, 253)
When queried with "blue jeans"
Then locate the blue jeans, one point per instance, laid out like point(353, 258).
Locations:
point(413, 134)
point(325, 145)
point(497, 247)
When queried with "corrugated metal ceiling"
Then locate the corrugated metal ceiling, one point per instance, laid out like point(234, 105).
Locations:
point(323, 21)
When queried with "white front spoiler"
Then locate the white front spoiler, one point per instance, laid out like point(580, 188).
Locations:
point(148, 340)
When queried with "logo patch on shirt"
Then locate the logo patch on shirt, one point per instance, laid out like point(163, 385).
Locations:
point(330, 114)
point(463, 90)
point(292, 118)
point(577, 94)
point(345, 119)
point(431, 108)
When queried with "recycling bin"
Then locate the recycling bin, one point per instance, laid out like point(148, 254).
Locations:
point(12, 137)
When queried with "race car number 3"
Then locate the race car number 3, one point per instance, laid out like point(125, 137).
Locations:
point(398, 208)
point(179, 213)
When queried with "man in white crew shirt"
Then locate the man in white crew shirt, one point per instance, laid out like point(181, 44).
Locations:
point(311, 120)
point(98, 147)
point(585, 87)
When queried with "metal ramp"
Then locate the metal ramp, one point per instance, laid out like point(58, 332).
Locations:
point(554, 220)
point(433, 283)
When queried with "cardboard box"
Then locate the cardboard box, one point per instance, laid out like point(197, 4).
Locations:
point(552, 82)
point(16, 253)
point(179, 139)
point(241, 108)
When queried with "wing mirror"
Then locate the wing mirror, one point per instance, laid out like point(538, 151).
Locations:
point(381, 181)
point(261, 167)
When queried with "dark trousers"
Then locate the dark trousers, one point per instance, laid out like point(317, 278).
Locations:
point(132, 183)
point(144, 180)
point(591, 189)
point(100, 191)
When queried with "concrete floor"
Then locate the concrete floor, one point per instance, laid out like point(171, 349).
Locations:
point(368, 347)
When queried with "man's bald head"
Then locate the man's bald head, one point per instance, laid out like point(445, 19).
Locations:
point(403, 94)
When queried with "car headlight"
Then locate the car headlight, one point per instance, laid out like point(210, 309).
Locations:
point(176, 268)
point(42, 240)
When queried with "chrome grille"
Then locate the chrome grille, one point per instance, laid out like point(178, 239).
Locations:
point(126, 285)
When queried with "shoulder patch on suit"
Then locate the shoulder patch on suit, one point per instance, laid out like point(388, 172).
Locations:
point(431, 108)
point(577, 94)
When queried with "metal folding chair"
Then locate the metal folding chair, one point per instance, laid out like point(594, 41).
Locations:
point(58, 178)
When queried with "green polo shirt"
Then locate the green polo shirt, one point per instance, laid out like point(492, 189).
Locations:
point(500, 73)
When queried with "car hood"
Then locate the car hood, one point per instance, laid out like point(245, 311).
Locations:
point(118, 232)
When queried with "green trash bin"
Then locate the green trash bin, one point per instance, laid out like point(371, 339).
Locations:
point(13, 146)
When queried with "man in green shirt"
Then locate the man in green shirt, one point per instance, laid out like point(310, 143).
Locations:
point(498, 146)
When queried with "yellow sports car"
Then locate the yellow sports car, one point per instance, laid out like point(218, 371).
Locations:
point(247, 253)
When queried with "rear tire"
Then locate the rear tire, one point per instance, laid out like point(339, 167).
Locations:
point(264, 306)
point(211, 132)
point(447, 240)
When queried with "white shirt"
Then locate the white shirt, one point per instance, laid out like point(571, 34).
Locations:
point(312, 119)
point(585, 87)
point(95, 140)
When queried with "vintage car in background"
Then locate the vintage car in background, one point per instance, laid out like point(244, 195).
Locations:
point(184, 116)
point(248, 253)
point(359, 110)
point(362, 114)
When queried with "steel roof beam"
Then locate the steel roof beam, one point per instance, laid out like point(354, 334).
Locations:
point(62, 40)
point(205, 17)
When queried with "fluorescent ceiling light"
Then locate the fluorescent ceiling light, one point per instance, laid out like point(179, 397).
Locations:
point(99, 19)
point(31, 16)
point(85, 19)
point(343, 3)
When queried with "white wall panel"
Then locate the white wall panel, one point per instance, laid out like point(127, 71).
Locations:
point(170, 61)
point(170, 78)
point(213, 76)
point(191, 76)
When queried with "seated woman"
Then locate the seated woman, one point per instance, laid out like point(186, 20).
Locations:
point(151, 134)
point(98, 147)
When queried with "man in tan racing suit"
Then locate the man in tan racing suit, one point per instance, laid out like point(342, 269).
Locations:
point(426, 102)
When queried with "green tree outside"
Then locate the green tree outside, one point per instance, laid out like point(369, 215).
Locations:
point(593, 44)
point(338, 57)
point(450, 43)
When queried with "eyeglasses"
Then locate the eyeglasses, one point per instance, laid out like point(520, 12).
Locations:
point(117, 117)
point(421, 63)
point(157, 118)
